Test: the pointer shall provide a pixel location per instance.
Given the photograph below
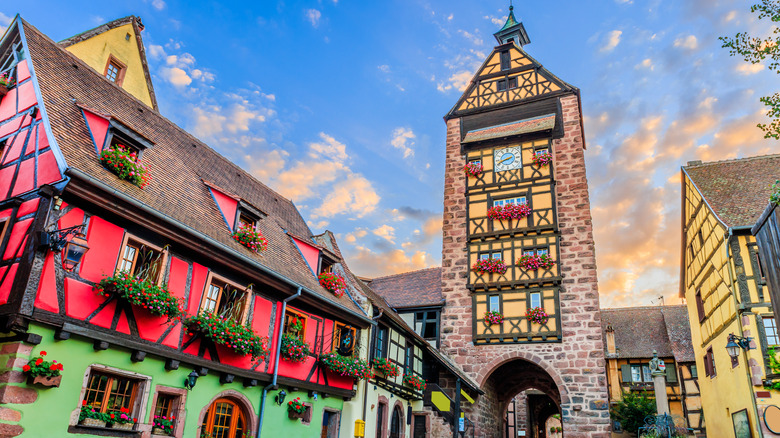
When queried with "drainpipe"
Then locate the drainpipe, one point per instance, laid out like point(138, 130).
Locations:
point(276, 362)
point(373, 345)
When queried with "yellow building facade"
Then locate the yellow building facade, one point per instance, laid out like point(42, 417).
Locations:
point(116, 51)
point(723, 286)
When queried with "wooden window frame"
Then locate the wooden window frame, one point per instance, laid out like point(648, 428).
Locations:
point(4, 226)
point(381, 418)
point(491, 254)
point(700, 305)
point(505, 60)
point(425, 321)
point(337, 327)
point(774, 332)
point(531, 299)
point(180, 400)
point(489, 302)
point(336, 414)
point(381, 350)
point(503, 200)
point(141, 389)
point(709, 363)
point(211, 279)
point(211, 413)
point(141, 242)
point(300, 315)
point(120, 77)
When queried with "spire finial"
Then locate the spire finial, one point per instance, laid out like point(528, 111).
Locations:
point(511, 7)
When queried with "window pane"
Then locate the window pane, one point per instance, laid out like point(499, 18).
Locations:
point(126, 265)
point(646, 372)
point(494, 303)
point(636, 373)
point(771, 331)
point(536, 299)
point(541, 251)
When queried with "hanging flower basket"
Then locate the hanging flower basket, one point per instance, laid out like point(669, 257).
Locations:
point(250, 237)
point(296, 409)
point(42, 372)
point(294, 349)
point(237, 337)
point(122, 162)
point(537, 315)
point(414, 381)
point(542, 160)
point(509, 211)
point(6, 83)
point(473, 169)
point(386, 368)
point(333, 283)
point(535, 262)
point(354, 367)
point(158, 300)
point(490, 266)
point(493, 317)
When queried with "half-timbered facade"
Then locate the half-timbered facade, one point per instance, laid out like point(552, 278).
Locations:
point(725, 290)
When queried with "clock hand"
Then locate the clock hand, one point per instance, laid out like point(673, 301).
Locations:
point(505, 159)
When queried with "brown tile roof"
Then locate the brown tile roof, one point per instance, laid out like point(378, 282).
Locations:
point(178, 162)
point(737, 190)
point(640, 330)
point(526, 126)
point(410, 289)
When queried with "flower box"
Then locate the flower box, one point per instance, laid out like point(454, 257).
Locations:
point(47, 381)
point(251, 237)
point(294, 349)
point(93, 422)
point(296, 409)
point(333, 283)
point(493, 317)
point(473, 169)
point(535, 262)
point(122, 162)
point(537, 315)
point(157, 300)
point(509, 211)
point(162, 425)
point(122, 426)
point(3, 91)
point(42, 372)
point(346, 366)
point(386, 368)
point(158, 431)
point(542, 160)
point(490, 266)
point(292, 415)
point(414, 381)
point(227, 332)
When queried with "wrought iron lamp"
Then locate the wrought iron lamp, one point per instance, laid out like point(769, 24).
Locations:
point(735, 343)
point(280, 397)
point(74, 249)
point(191, 380)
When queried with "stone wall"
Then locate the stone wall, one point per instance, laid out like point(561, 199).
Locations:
point(576, 365)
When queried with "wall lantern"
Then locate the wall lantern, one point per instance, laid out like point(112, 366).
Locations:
point(736, 343)
point(74, 249)
point(191, 380)
point(280, 397)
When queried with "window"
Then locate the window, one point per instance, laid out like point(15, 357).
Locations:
point(506, 60)
point(474, 162)
point(295, 324)
point(760, 268)
point(380, 343)
point(505, 84)
point(142, 260)
point(501, 85)
point(493, 303)
point(396, 422)
point(536, 299)
point(426, 324)
point(381, 408)
point(512, 83)
point(501, 202)
point(244, 220)
point(495, 255)
point(108, 392)
point(700, 305)
point(169, 403)
point(120, 143)
point(3, 225)
point(538, 252)
point(694, 372)
point(344, 339)
point(541, 151)
point(224, 419)
point(700, 236)
point(224, 299)
point(330, 424)
point(641, 374)
point(709, 363)
point(115, 70)
point(770, 328)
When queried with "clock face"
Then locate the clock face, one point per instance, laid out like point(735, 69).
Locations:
point(507, 159)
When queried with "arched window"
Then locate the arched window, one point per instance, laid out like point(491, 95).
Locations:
point(396, 422)
point(225, 419)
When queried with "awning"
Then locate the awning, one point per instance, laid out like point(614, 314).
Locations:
point(527, 126)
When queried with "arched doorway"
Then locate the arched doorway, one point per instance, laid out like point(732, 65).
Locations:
point(224, 419)
point(396, 423)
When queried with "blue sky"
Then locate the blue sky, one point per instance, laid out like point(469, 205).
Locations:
point(338, 105)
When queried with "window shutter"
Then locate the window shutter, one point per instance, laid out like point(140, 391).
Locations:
point(671, 373)
point(625, 372)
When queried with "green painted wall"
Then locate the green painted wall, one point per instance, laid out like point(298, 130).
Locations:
point(50, 415)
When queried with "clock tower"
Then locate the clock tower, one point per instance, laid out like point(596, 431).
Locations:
point(518, 262)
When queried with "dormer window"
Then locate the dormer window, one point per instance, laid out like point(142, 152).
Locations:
point(125, 138)
point(225, 299)
point(326, 263)
point(247, 216)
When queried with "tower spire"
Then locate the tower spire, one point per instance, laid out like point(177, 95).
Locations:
point(513, 30)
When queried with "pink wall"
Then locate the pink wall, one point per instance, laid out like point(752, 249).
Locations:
point(227, 206)
point(310, 253)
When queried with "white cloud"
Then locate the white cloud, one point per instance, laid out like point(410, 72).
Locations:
point(647, 64)
point(158, 4)
point(329, 148)
point(612, 41)
point(749, 69)
point(313, 16)
point(402, 140)
point(473, 37)
point(458, 81)
point(690, 42)
point(356, 196)
point(386, 232)
point(384, 68)
point(5, 21)
point(176, 76)
point(156, 51)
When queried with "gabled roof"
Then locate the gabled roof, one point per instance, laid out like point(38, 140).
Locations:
point(737, 190)
point(137, 27)
point(178, 164)
point(410, 289)
point(640, 330)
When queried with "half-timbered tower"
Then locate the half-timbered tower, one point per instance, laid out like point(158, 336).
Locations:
point(518, 243)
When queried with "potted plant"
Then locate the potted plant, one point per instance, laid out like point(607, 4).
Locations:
point(143, 293)
point(6, 83)
point(386, 368)
point(414, 381)
point(473, 169)
point(537, 315)
point(541, 160)
point(162, 425)
point(249, 236)
point(559, 429)
point(552, 429)
point(354, 367)
point(509, 211)
point(235, 336)
point(493, 317)
point(295, 409)
point(294, 349)
point(122, 419)
point(534, 262)
point(489, 266)
point(90, 417)
point(333, 283)
point(43, 372)
point(122, 162)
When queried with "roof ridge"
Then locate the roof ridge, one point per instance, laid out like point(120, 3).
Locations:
point(109, 25)
point(613, 309)
point(406, 273)
point(732, 160)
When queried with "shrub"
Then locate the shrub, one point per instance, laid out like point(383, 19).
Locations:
point(632, 410)
point(123, 163)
